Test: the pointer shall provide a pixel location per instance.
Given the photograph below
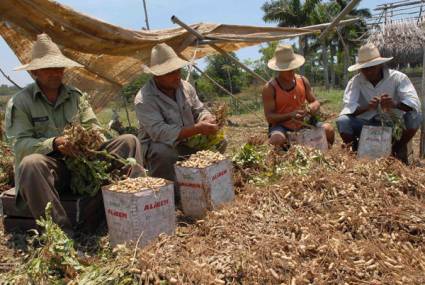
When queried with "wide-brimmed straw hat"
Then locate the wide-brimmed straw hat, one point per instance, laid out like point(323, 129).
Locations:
point(285, 59)
point(164, 60)
point(368, 56)
point(46, 54)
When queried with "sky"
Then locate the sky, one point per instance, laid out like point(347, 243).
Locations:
point(130, 14)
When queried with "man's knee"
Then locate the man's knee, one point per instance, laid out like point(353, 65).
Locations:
point(413, 120)
point(344, 125)
point(32, 161)
point(277, 139)
point(128, 139)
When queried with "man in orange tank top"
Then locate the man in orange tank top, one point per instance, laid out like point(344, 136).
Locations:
point(287, 97)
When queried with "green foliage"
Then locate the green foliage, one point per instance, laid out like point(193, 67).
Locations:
point(226, 73)
point(206, 142)
point(53, 259)
point(249, 156)
point(130, 90)
point(88, 176)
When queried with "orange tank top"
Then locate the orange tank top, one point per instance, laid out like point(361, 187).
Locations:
point(289, 101)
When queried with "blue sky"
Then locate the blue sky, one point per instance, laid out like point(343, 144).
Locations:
point(129, 14)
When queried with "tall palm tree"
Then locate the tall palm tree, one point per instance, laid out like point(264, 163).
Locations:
point(288, 13)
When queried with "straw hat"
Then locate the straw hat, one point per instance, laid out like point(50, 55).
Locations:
point(285, 59)
point(46, 54)
point(368, 56)
point(164, 60)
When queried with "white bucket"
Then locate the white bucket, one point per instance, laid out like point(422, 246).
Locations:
point(145, 214)
point(203, 189)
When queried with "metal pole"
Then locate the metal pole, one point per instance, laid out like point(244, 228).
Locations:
point(338, 18)
point(146, 15)
point(176, 20)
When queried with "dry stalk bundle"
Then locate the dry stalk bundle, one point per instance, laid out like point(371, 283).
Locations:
point(339, 221)
point(132, 185)
point(391, 40)
point(82, 140)
point(202, 159)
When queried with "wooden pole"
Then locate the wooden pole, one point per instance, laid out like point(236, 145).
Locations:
point(177, 21)
point(422, 145)
point(9, 79)
point(338, 18)
point(146, 15)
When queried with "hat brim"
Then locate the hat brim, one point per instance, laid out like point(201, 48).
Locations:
point(376, 61)
point(49, 62)
point(298, 61)
point(166, 67)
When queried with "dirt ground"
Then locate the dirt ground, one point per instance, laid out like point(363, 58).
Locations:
point(240, 128)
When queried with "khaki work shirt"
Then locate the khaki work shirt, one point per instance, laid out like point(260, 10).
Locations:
point(360, 91)
point(32, 122)
point(161, 118)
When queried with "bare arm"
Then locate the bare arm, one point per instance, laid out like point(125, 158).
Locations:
point(311, 99)
point(270, 107)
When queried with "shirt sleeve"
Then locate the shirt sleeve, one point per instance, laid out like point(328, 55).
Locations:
point(407, 93)
point(152, 121)
point(351, 98)
point(198, 110)
point(20, 130)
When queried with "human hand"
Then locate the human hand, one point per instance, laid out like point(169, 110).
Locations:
point(298, 115)
point(62, 145)
point(209, 119)
point(387, 102)
point(373, 104)
point(206, 128)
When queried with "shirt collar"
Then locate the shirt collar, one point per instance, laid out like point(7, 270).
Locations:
point(386, 73)
point(162, 95)
point(63, 95)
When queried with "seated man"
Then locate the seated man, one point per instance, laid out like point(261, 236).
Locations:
point(377, 85)
point(169, 111)
point(285, 96)
point(35, 120)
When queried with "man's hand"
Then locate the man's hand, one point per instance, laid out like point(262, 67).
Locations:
point(209, 119)
point(387, 102)
point(206, 128)
point(298, 115)
point(62, 145)
point(373, 104)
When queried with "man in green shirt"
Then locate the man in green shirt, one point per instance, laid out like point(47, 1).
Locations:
point(35, 120)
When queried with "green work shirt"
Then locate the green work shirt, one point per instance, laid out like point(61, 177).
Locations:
point(32, 121)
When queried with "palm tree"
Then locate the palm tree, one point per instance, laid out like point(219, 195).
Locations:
point(288, 13)
point(342, 41)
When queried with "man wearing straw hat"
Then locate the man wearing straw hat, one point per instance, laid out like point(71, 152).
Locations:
point(377, 88)
point(35, 120)
point(169, 111)
point(288, 98)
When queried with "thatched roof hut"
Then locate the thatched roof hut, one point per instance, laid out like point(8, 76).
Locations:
point(403, 40)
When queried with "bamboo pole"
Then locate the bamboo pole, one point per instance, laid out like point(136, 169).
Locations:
point(338, 18)
point(177, 21)
point(422, 145)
